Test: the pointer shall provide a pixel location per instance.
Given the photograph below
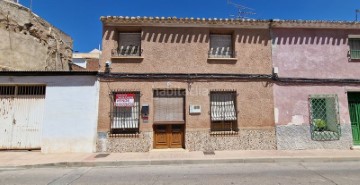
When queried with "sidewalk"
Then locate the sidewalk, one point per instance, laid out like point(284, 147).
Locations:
point(164, 157)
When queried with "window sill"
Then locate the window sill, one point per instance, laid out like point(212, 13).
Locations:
point(224, 59)
point(354, 60)
point(224, 133)
point(127, 57)
point(135, 135)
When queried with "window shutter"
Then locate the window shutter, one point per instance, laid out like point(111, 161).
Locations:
point(223, 106)
point(354, 48)
point(221, 46)
point(168, 108)
point(129, 44)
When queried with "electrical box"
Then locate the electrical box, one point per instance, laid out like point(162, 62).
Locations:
point(145, 111)
point(195, 109)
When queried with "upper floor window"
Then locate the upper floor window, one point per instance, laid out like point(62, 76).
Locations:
point(354, 48)
point(221, 46)
point(129, 45)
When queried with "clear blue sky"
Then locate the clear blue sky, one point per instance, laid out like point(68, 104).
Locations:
point(81, 18)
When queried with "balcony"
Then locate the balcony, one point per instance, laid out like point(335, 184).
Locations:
point(355, 54)
point(222, 55)
point(127, 52)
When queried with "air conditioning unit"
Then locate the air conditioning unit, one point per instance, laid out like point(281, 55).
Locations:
point(195, 109)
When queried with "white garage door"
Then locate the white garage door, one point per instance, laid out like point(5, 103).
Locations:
point(21, 116)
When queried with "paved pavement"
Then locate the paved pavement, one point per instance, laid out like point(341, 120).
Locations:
point(165, 157)
point(342, 173)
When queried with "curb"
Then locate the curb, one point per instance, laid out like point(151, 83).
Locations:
point(187, 162)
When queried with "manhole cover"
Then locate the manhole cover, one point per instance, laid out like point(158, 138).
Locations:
point(209, 153)
point(101, 155)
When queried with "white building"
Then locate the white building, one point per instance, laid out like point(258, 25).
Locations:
point(52, 111)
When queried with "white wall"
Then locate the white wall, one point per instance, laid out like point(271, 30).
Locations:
point(71, 111)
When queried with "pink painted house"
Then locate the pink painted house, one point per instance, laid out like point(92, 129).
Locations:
point(316, 94)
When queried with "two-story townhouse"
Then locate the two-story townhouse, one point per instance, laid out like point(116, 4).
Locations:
point(316, 93)
point(197, 84)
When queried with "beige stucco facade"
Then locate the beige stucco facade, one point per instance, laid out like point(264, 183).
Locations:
point(184, 50)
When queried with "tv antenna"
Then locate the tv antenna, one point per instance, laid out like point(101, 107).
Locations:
point(31, 3)
point(242, 11)
point(357, 11)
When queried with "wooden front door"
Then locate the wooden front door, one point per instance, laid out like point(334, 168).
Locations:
point(354, 108)
point(168, 136)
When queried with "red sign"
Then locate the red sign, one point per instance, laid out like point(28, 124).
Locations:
point(124, 100)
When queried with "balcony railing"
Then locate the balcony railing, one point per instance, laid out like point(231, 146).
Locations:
point(221, 54)
point(127, 51)
point(355, 54)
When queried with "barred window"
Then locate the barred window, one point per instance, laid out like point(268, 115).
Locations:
point(12, 90)
point(223, 111)
point(125, 112)
point(7, 90)
point(324, 117)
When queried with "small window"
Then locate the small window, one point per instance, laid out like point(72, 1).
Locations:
point(23, 90)
point(324, 117)
point(31, 90)
point(7, 90)
point(354, 48)
point(223, 111)
point(221, 46)
point(125, 113)
point(129, 45)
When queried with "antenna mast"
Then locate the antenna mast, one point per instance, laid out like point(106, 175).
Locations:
point(31, 5)
point(357, 11)
point(242, 11)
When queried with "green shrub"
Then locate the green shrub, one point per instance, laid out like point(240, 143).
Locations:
point(320, 124)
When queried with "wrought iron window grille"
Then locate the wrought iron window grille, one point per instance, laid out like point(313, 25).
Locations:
point(125, 120)
point(223, 111)
point(324, 117)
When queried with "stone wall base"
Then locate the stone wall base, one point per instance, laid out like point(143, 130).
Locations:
point(254, 139)
point(136, 143)
point(246, 139)
point(298, 137)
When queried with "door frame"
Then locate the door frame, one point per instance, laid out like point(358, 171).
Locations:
point(169, 133)
point(169, 123)
point(351, 122)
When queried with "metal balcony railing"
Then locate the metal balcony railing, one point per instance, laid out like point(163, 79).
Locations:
point(221, 54)
point(127, 51)
point(355, 54)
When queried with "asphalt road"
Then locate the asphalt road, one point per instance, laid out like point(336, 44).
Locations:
point(207, 174)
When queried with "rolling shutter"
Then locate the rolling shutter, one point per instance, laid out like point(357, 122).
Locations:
point(168, 107)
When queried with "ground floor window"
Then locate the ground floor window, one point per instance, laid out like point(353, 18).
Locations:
point(324, 117)
point(22, 90)
point(125, 112)
point(223, 111)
